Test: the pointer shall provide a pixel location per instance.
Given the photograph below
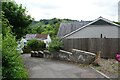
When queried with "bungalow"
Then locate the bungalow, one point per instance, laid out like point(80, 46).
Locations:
point(43, 37)
point(98, 28)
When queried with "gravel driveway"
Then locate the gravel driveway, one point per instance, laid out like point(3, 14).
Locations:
point(45, 68)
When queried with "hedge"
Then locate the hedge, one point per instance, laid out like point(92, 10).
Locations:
point(12, 64)
point(36, 45)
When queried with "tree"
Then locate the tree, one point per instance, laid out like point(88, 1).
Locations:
point(117, 23)
point(57, 27)
point(49, 30)
point(35, 44)
point(40, 29)
point(55, 45)
point(12, 65)
point(17, 17)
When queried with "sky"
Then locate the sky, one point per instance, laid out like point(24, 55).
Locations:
point(71, 9)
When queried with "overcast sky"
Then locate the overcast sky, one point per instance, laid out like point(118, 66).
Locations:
point(71, 9)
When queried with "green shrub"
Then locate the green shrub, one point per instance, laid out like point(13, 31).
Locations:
point(36, 45)
point(55, 45)
point(12, 64)
point(0, 56)
point(26, 50)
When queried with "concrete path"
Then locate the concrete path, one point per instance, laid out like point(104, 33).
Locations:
point(45, 68)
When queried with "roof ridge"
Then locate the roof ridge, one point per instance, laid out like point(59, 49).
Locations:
point(90, 24)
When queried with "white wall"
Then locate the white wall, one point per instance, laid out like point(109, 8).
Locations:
point(47, 41)
point(94, 31)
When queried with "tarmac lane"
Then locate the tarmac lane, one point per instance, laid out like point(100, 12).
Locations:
point(46, 68)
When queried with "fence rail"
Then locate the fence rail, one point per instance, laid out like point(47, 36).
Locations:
point(108, 46)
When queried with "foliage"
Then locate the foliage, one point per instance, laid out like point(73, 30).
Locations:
point(17, 17)
point(55, 45)
point(49, 30)
point(0, 56)
point(0, 25)
point(47, 26)
point(36, 45)
point(35, 30)
point(12, 64)
point(117, 23)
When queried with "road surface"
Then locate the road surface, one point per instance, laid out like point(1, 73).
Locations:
point(45, 68)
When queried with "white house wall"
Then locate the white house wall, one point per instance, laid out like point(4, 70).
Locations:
point(95, 31)
point(47, 41)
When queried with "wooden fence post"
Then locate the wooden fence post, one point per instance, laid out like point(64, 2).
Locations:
point(107, 46)
point(97, 59)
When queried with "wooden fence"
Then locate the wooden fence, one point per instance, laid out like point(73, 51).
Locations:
point(108, 46)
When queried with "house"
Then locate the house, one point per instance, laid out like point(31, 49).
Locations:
point(43, 37)
point(98, 28)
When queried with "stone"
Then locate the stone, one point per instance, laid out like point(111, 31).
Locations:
point(84, 57)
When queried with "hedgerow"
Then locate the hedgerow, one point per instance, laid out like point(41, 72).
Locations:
point(55, 45)
point(12, 64)
point(36, 45)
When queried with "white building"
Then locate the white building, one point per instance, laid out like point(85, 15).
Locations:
point(43, 37)
point(98, 28)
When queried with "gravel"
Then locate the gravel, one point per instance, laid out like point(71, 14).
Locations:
point(108, 67)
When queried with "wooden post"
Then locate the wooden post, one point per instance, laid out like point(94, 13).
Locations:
point(97, 59)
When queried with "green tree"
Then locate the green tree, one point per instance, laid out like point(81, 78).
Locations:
point(36, 45)
point(17, 17)
point(49, 30)
point(57, 27)
point(55, 45)
point(117, 23)
point(12, 64)
point(35, 30)
point(39, 29)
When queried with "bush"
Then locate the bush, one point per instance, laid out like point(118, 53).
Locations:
point(12, 64)
point(55, 45)
point(36, 45)
point(0, 56)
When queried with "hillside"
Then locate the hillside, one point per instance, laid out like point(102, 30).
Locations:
point(47, 26)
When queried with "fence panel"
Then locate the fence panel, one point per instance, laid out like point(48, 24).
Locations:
point(108, 46)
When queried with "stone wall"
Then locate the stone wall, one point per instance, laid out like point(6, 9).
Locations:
point(78, 56)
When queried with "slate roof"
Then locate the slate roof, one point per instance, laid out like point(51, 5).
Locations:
point(41, 36)
point(30, 36)
point(33, 36)
point(66, 28)
point(100, 21)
